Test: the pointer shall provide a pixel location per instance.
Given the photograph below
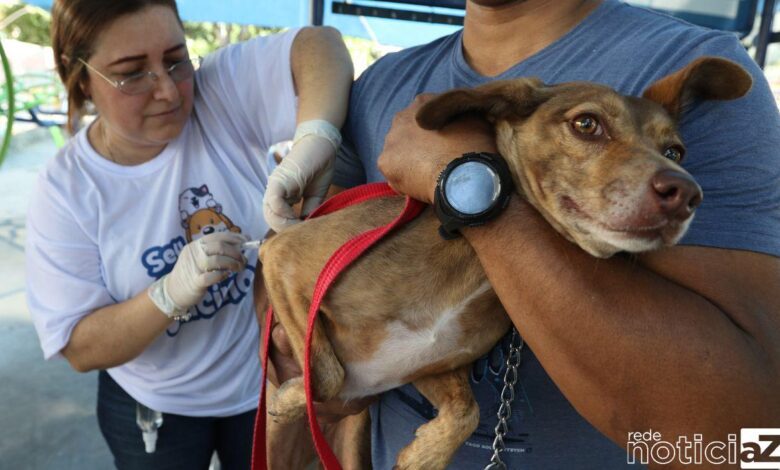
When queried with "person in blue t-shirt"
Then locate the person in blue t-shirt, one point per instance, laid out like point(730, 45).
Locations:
point(683, 341)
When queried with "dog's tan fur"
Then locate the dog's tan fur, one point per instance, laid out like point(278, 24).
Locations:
point(419, 309)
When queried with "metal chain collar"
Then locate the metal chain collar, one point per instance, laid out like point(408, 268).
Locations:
point(507, 397)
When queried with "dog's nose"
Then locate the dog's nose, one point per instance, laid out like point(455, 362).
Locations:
point(207, 230)
point(676, 193)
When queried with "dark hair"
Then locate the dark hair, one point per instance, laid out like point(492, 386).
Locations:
point(75, 26)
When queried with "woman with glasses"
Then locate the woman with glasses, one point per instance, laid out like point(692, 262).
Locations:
point(135, 261)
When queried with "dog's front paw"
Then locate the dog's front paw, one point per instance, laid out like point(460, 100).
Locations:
point(416, 456)
point(406, 462)
point(410, 466)
point(281, 414)
point(289, 402)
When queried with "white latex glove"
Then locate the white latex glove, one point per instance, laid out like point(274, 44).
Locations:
point(201, 263)
point(305, 173)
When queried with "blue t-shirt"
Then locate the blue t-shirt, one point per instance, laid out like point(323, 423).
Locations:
point(733, 151)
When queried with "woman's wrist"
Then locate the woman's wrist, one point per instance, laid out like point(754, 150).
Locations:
point(320, 128)
point(159, 296)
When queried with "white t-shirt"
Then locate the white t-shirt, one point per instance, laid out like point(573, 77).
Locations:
point(99, 233)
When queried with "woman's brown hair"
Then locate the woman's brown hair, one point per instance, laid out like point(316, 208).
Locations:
point(75, 26)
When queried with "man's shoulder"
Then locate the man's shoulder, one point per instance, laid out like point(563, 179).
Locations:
point(646, 20)
point(646, 33)
point(628, 47)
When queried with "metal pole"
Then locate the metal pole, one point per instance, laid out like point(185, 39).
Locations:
point(765, 35)
point(317, 12)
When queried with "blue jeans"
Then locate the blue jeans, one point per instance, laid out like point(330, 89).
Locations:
point(183, 442)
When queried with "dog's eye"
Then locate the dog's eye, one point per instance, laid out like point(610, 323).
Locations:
point(588, 125)
point(674, 153)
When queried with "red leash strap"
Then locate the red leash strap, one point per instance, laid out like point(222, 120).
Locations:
point(259, 457)
point(353, 196)
point(339, 261)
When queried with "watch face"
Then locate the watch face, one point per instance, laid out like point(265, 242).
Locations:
point(472, 188)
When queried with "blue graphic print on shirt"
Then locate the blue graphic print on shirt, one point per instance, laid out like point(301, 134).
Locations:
point(159, 261)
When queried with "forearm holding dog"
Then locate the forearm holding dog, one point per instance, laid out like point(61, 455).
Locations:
point(685, 342)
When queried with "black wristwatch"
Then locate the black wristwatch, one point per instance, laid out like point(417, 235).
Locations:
point(470, 191)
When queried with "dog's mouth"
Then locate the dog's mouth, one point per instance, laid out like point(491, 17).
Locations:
point(650, 231)
point(657, 229)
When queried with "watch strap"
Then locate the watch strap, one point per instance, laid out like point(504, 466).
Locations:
point(450, 227)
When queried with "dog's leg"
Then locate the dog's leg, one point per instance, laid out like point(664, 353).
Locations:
point(288, 445)
point(351, 441)
point(288, 297)
point(289, 402)
point(436, 441)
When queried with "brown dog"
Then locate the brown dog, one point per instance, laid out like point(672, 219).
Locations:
point(602, 168)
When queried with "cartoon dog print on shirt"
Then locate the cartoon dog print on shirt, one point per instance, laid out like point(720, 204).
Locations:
point(206, 221)
point(201, 214)
point(192, 200)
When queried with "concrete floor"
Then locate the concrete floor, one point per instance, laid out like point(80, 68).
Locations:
point(47, 411)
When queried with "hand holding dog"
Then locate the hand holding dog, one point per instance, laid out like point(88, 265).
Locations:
point(413, 157)
point(305, 173)
point(201, 263)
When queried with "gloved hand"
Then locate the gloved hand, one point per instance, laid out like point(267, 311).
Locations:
point(306, 172)
point(201, 263)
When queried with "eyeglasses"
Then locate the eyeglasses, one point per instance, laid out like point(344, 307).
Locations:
point(144, 82)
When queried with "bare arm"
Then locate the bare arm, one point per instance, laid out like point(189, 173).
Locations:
point(684, 341)
point(322, 72)
point(113, 335)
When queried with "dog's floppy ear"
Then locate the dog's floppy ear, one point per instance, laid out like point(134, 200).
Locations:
point(501, 99)
point(706, 78)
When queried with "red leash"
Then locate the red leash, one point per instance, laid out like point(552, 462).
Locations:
point(339, 261)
